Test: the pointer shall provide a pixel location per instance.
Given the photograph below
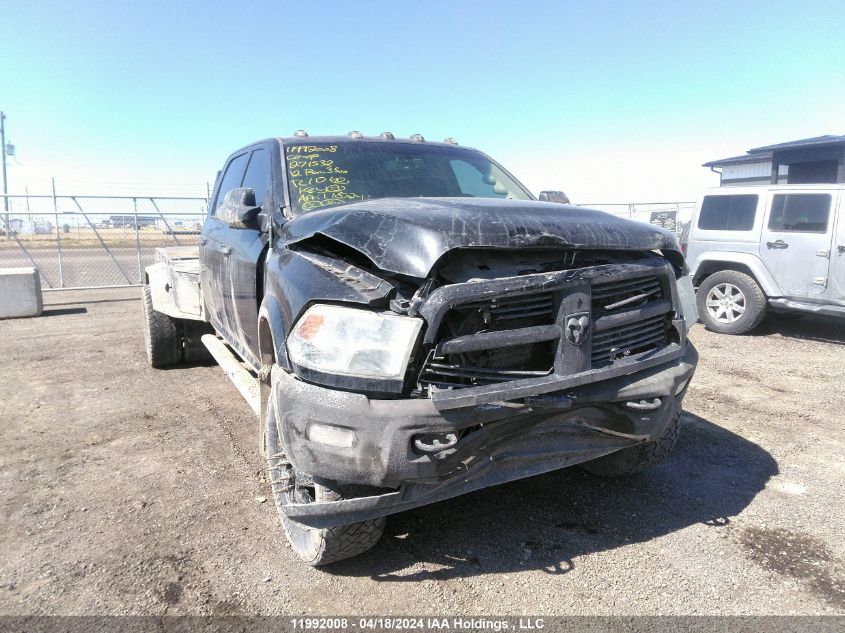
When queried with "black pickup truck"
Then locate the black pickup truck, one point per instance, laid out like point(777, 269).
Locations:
point(411, 324)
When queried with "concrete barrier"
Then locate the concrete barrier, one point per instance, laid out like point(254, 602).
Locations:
point(20, 293)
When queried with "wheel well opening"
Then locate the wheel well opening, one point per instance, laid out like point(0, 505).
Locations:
point(708, 268)
point(266, 348)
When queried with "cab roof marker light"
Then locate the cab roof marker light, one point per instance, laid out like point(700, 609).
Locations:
point(450, 140)
point(301, 134)
point(355, 134)
point(417, 138)
point(387, 136)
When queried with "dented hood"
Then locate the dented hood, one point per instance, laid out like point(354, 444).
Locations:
point(408, 235)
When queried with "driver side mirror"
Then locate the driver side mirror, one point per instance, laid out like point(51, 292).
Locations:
point(554, 196)
point(239, 210)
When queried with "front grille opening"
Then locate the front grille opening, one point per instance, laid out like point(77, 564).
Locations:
point(501, 314)
point(618, 296)
point(631, 338)
point(498, 314)
point(484, 367)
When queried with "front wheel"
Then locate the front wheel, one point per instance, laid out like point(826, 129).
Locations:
point(730, 302)
point(315, 546)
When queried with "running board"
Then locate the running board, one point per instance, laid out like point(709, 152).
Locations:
point(814, 308)
point(246, 383)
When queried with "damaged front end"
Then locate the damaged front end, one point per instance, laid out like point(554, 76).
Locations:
point(526, 361)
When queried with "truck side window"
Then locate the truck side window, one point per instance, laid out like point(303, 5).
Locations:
point(257, 175)
point(476, 183)
point(231, 179)
point(800, 213)
point(728, 213)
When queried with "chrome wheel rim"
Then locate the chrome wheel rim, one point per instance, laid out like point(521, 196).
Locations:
point(726, 303)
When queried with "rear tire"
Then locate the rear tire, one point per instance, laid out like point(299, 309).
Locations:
point(315, 546)
point(634, 460)
point(162, 336)
point(730, 302)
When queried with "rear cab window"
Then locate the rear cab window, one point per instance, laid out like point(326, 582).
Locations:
point(728, 212)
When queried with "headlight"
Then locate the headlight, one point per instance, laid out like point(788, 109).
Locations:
point(686, 295)
point(353, 342)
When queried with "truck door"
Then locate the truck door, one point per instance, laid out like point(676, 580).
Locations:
point(215, 248)
point(796, 240)
point(247, 246)
point(836, 288)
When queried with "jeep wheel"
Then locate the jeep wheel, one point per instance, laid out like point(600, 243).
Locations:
point(315, 546)
point(633, 460)
point(162, 338)
point(730, 302)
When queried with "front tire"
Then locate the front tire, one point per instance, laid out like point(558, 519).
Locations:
point(730, 302)
point(635, 459)
point(315, 546)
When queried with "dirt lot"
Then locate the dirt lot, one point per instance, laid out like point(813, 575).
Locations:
point(129, 490)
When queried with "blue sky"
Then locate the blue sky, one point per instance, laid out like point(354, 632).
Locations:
point(609, 101)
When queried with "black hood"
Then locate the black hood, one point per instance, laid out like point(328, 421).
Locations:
point(408, 235)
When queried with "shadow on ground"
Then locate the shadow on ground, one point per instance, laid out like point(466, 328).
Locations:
point(546, 522)
point(808, 327)
point(87, 301)
point(63, 311)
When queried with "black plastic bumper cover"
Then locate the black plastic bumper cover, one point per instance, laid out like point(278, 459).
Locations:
point(499, 442)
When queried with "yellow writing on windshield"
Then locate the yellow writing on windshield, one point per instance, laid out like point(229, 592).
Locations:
point(316, 179)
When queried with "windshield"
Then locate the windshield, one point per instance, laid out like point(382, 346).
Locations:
point(329, 174)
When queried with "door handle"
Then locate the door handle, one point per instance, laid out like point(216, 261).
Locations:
point(225, 249)
point(202, 241)
point(841, 249)
point(778, 244)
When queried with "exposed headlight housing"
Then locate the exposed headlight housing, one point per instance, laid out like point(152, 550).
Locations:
point(686, 295)
point(345, 341)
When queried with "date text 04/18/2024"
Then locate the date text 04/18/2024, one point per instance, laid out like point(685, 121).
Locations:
point(417, 624)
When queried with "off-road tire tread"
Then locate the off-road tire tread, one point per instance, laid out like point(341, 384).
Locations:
point(331, 544)
point(634, 460)
point(346, 541)
point(755, 302)
point(162, 335)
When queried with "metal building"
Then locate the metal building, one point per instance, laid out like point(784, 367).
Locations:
point(820, 159)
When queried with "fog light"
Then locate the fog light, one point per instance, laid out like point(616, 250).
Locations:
point(681, 386)
point(332, 435)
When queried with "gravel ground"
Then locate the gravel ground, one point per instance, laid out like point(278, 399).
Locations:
point(126, 490)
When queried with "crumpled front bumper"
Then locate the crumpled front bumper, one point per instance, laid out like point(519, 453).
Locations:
point(510, 439)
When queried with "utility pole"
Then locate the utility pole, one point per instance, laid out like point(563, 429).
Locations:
point(5, 188)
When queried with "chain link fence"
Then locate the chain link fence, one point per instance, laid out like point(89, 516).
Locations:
point(101, 241)
point(94, 241)
point(673, 216)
